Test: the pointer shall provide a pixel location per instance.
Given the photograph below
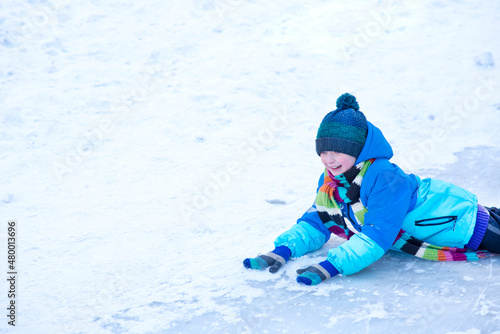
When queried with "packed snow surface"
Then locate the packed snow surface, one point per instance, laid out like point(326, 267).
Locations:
point(148, 147)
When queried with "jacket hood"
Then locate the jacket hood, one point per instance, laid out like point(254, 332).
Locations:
point(376, 146)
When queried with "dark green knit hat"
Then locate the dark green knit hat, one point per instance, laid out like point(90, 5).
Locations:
point(344, 129)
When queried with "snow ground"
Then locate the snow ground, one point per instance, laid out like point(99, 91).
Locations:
point(148, 147)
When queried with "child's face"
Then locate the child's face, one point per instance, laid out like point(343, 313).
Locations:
point(337, 163)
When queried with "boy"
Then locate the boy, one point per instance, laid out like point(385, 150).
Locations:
point(372, 203)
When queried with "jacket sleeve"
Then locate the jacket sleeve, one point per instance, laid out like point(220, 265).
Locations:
point(308, 235)
point(387, 196)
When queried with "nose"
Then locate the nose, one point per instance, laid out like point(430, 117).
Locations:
point(330, 157)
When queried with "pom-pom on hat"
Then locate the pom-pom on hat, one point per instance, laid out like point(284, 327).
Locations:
point(344, 129)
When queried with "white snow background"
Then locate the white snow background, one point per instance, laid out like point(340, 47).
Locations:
point(148, 147)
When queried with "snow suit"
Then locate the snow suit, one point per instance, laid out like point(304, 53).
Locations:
point(431, 210)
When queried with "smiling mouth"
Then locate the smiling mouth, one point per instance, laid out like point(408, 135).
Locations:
point(336, 167)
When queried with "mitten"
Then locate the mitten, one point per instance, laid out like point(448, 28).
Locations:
point(274, 260)
point(317, 273)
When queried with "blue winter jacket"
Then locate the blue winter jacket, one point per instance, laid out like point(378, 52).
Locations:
point(431, 210)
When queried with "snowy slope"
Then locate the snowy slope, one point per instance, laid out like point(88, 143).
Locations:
point(148, 147)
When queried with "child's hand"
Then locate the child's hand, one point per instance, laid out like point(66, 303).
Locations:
point(317, 273)
point(273, 260)
point(261, 262)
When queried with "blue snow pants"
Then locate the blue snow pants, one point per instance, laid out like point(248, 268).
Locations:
point(491, 240)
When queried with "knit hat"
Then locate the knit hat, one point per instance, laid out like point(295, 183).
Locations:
point(344, 129)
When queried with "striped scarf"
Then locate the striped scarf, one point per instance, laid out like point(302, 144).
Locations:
point(346, 188)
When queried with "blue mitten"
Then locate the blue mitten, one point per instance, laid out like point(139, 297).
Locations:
point(317, 273)
point(274, 260)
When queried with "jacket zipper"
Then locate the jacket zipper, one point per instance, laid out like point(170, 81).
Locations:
point(355, 224)
point(448, 219)
point(349, 211)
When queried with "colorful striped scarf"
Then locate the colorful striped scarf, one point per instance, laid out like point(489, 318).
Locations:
point(346, 188)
